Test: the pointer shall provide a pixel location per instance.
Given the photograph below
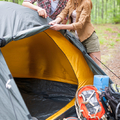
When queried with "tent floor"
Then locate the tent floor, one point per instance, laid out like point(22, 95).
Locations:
point(43, 98)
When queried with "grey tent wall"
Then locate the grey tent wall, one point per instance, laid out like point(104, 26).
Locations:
point(18, 22)
point(12, 106)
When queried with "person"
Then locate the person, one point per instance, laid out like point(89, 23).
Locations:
point(79, 12)
point(47, 8)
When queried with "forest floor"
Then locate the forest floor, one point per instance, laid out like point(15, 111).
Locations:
point(109, 37)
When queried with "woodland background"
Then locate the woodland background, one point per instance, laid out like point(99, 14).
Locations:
point(104, 11)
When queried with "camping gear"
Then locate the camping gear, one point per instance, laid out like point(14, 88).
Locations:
point(71, 118)
point(112, 96)
point(40, 69)
point(88, 104)
point(101, 81)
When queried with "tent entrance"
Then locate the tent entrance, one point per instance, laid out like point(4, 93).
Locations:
point(43, 98)
point(52, 67)
point(43, 72)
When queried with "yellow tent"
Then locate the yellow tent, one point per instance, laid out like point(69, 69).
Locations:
point(48, 66)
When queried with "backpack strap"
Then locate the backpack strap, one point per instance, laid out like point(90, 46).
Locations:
point(116, 111)
point(104, 117)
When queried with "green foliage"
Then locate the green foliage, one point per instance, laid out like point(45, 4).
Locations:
point(101, 34)
point(105, 11)
point(116, 19)
point(108, 34)
point(114, 31)
point(109, 29)
point(102, 41)
point(118, 2)
point(117, 40)
point(15, 1)
point(118, 34)
point(112, 43)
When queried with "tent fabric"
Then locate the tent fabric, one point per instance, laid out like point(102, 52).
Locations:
point(16, 22)
point(44, 98)
point(55, 59)
point(11, 103)
point(38, 53)
point(20, 25)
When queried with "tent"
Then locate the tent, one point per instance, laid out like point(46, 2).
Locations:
point(40, 69)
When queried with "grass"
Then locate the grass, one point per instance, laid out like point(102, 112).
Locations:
point(108, 32)
point(109, 37)
point(118, 34)
point(117, 40)
point(108, 29)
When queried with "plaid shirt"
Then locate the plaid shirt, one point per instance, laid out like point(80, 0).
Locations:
point(46, 4)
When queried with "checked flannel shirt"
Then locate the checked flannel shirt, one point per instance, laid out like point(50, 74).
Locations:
point(46, 4)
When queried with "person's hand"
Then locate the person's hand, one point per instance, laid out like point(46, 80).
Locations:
point(42, 12)
point(53, 22)
point(56, 21)
point(56, 27)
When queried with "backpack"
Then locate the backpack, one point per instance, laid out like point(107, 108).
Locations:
point(112, 100)
point(88, 105)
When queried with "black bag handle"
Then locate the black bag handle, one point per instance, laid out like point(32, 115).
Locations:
point(116, 111)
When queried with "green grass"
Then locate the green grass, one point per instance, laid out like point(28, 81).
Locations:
point(114, 32)
point(109, 37)
point(109, 29)
point(108, 33)
point(112, 44)
point(117, 40)
point(102, 41)
point(118, 34)
point(101, 33)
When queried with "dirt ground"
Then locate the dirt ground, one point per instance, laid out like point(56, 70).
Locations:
point(110, 49)
point(113, 64)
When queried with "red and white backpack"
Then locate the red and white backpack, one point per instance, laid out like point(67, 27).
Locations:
point(88, 105)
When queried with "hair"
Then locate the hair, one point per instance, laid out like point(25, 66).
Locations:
point(76, 3)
